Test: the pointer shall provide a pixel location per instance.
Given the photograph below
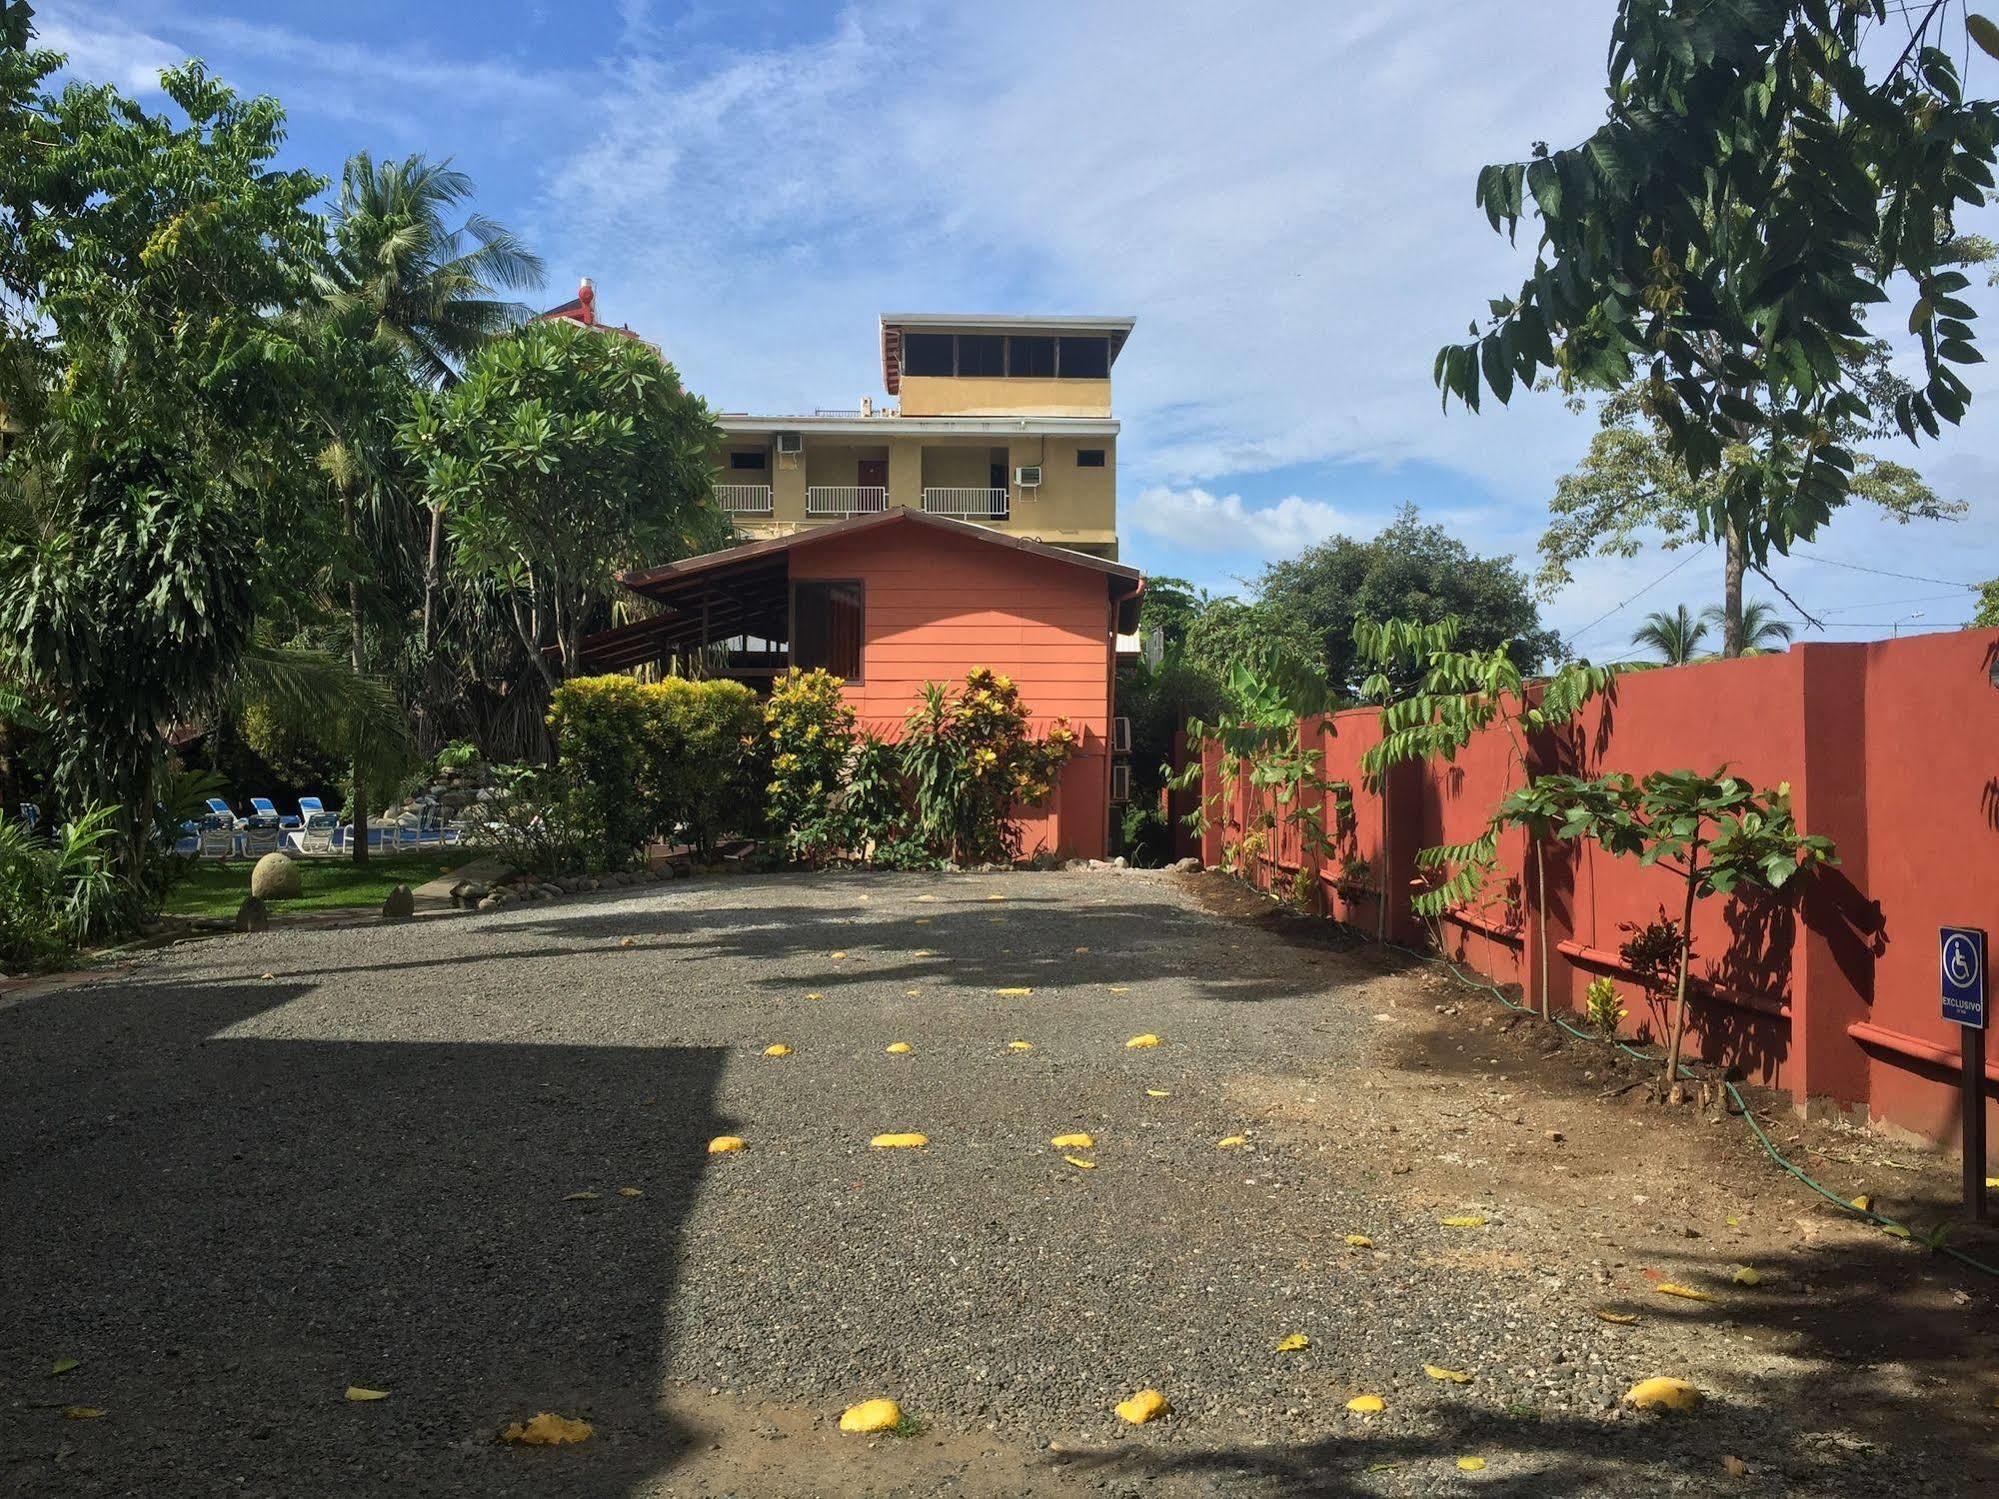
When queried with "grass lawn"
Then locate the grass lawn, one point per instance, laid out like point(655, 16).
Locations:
point(213, 888)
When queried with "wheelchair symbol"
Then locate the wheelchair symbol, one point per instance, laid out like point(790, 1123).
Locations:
point(1960, 962)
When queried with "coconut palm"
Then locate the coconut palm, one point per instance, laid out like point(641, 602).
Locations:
point(1676, 636)
point(1761, 629)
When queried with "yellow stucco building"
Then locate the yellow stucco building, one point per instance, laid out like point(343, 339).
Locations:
point(1004, 421)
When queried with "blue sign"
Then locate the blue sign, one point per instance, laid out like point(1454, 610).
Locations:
point(1961, 970)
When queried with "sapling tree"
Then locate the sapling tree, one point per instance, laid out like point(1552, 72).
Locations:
point(1717, 832)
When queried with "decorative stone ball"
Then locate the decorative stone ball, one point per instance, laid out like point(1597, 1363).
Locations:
point(276, 878)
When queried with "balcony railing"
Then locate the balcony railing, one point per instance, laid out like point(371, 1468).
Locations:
point(845, 499)
point(967, 504)
point(743, 499)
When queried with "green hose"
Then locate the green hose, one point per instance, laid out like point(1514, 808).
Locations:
point(1474, 981)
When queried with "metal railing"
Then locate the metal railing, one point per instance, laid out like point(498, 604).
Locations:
point(968, 504)
point(845, 499)
point(743, 499)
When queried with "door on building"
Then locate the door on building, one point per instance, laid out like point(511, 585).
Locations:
point(872, 473)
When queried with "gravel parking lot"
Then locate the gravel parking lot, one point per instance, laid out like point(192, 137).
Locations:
point(465, 1161)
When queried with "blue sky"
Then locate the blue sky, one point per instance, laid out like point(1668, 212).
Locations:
point(1280, 193)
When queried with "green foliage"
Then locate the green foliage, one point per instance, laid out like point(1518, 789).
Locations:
point(1158, 700)
point(661, 760)
point(1170, 605)
point(811, 733)
point(1719, 237)
point(564, 456)
point(56, 895)
point(971, 760)
point(459, 754)
point(1676, 636)
point(1264, 639)
point(543, 821)
point(1410, 571)
point(1144, 837)
point(1987, 615)
point(1602, 1009)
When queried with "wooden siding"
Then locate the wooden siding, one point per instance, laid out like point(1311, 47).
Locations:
point(939, 605)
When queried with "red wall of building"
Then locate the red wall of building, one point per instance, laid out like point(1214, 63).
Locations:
point(937, 605)
point(1891, 749)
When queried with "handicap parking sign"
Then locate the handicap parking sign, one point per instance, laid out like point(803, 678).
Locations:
point(1961, 971)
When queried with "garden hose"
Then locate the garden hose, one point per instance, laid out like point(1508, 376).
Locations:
point(1902, 1230)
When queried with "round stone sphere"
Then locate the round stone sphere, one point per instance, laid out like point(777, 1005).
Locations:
point(276, 878)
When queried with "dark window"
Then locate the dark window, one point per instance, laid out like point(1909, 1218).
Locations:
point(1084, 358)
point(981, 354)
point(1031, 358)
point(747, 460)
point(1089, 458)
point(826, 627)
point(926, 353)
point(996, 474)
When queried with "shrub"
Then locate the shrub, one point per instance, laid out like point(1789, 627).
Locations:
point(1603, 1011)
point(57, 894)
point(810, 731)
point(460, 754)
point(1144, 836)
point(971, 761)
point(656, 760)
point(541, 821)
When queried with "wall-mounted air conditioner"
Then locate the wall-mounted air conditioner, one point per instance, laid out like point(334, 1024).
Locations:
point(1028, 477)
point(791, 442)
point(1120, 782)
point(1120, 735)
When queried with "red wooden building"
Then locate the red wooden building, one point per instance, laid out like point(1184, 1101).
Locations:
point(892, 600)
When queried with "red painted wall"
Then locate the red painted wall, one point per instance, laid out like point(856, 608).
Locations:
point(1891, 749)
point(937, 605)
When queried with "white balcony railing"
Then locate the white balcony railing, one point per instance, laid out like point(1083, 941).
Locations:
point(845, 499)
point(967, 504)
point(743, 499)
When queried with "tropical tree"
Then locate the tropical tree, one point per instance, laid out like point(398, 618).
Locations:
point(1676, 635)
point(157, 399)
point(1409, 571)
point(1760, 181)
point(1630, 490)
point(1987, 615)
point(1758, 628)
point(566, 455)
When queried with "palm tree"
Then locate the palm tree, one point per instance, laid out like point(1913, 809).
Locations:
point(1676, 636)
point(428, 289)
point(1760, 630)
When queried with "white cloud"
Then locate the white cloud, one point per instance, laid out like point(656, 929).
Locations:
point(1206, 525)
point(127, 57)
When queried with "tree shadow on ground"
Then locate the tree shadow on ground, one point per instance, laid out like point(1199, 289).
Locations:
point(227, 1229)
point(963, 936)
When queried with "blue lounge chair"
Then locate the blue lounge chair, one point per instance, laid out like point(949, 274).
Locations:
point(220, 811)
point(267, 811)
point(310, 806)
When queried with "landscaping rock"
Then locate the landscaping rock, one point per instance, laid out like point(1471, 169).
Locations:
point(253, 916)
point(276, 877)
point(400, 903)
point(1188, 865)
point(494, 902)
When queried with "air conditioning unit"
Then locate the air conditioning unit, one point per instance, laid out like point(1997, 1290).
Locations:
point(1120, 736)
point(791, 442)
point(1120, 782)
point(1028, 477)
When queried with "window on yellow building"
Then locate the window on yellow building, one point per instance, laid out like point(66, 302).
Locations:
point(1083, 358)
point(981, 354)
point(1089, 458)
point(1031, 358)
point(926, 353)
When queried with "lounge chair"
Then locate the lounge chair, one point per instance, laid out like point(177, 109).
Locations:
point(317, 836)
point(261, 838)
point(216, 843)
point(310, 807)
point(221, 812)
point(267, 810)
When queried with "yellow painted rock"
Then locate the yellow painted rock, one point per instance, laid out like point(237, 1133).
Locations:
point(1663, 1394)
point(724, 1144)
point(1072, 1142)
point(1366, 1405)
point(1746, 1275)
point(1292, 1342)
point(899, 1142)
point(548, 1430)
point(1360, 1241)
point(871, 1415)
point(628, 942)
point(1685, 1293)
point(777, 1050)
point(1448, 1376)
point(82, 1412)
point(1157, 1093)
point(1079, 1163)
point(1622, 1319)
point(1471, 1465)
point(1139, 1043)
point(1020, 1046)
point(815, 994)
point(1230, 1142)
point(899, 1048)
point(1012, 993)
point(1146, 1405)
point(1464, 1220)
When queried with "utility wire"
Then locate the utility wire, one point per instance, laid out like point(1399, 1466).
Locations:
point(1882, 572)
point(1577, 638)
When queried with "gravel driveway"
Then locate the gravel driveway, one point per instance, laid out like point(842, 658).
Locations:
point(244, 1174)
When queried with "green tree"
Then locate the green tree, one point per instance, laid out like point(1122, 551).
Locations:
point(1717, 832)
point(404, 276)
point(1719, 237)
point(143, 256)
point(1410, 571)
point(564, 456)
point(1757, 627)
point(1677, 635)
point(1265, 638)
point(1170, 605)
point(1630, 489)
point(1987, 616)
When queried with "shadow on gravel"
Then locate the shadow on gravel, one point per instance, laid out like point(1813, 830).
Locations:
point(1131, 938)
point(228, 1232)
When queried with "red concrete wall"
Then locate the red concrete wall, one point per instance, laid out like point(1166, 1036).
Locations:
point(937, 605)
point(1891, 749)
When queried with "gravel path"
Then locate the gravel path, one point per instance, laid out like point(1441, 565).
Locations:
point(247, 1173)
